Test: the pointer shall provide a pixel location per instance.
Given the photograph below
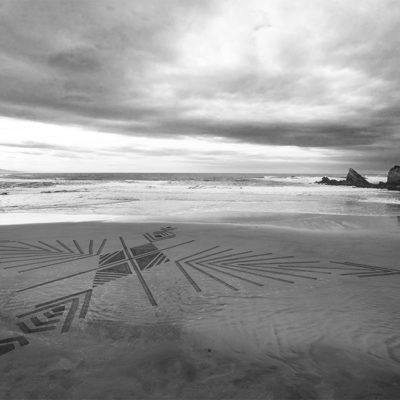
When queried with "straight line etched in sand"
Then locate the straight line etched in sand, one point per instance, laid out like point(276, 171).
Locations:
point(229, 274)
point(91, 246)
point(30, 258)
point(50, 246)
point(268, 271)
point(63, 259)
point(57, 263)
point(185, 273)
point(64, 245)
point(138, 273)
point(33, 245)
point(212, 277)
point(78, 247)
point(101, 246)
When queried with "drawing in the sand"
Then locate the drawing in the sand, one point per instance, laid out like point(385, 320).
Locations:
point(215, 263)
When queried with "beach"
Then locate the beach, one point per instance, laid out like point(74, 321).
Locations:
point(286, 307)
point(199, 200)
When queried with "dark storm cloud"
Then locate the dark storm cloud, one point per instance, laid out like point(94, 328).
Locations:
point(119, 66)
point(285, 134)
point(59, 54)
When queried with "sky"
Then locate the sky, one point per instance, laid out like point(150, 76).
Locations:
point(199, 85)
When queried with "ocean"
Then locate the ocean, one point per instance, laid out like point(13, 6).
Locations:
point(238, 198)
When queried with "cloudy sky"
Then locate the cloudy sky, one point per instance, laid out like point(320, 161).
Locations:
point(199, 85)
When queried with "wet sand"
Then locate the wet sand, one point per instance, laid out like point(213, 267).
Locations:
point(279, 311)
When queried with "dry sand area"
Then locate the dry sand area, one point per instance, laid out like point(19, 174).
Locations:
point(198, 311)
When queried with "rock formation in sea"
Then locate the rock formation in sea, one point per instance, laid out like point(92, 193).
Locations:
point(353, 178)
point(394, 175)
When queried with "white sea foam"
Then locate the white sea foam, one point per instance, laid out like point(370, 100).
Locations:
point(382, 200)
point(376, 178)
point(187, 197)
point(296, 179)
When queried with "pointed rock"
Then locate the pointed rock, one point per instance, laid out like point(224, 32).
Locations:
point(355, 179)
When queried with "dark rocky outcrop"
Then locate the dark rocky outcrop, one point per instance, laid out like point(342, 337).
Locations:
point(327, 181)
point(394, 175)
point(353, 178)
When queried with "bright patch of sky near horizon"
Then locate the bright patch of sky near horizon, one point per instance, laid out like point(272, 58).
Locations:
point(103, 152)
point(188, 86)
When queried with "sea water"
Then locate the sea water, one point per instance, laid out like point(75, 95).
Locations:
point(235, 198)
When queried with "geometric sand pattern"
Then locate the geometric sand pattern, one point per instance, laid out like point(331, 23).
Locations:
point(25, 257)
point(56, 313)
point(51, 315)
point(247, 267)
point(255, 268)
point(148, 256)
point(9, 344)
point(109, 274)
point(227, 267)
point(365, 270)
point(162, 234)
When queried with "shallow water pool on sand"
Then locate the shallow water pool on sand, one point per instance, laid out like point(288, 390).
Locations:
point(197, 311)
